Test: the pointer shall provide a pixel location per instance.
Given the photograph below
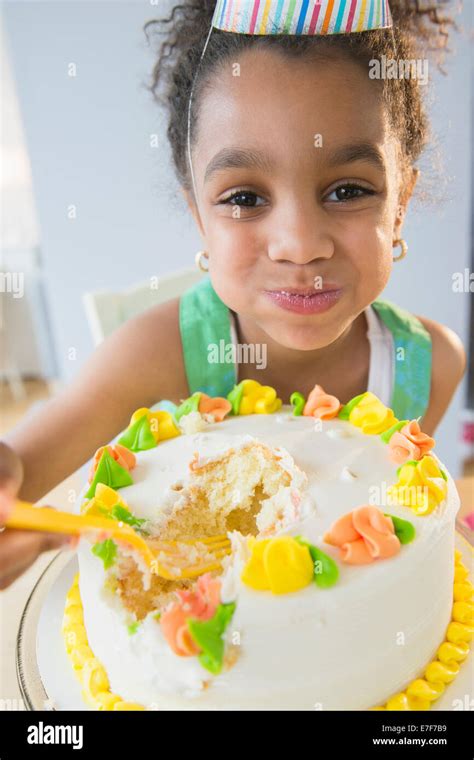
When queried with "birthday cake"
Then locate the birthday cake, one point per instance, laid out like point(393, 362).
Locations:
point(304, 553)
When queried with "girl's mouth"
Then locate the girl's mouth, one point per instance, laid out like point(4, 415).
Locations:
point(305, 301)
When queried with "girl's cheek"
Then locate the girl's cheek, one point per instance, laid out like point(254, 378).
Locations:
point(233, 256)
point(367, 251)
point(233, 271)
point(375, 267)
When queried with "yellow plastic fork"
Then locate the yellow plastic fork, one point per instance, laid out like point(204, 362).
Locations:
point(26, 516)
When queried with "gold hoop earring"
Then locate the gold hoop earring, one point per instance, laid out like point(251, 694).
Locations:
point(200, 255)
point(404, 249)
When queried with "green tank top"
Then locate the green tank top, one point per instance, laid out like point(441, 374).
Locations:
point(205, 320)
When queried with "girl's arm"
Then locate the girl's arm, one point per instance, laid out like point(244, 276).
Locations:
point(136, 366)
point(448, 367)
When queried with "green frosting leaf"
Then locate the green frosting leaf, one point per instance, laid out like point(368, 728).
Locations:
point(208, 635)
point(404, 530)
point(138, 437)
point(411, 462)
point(347, 408)
point(133, 627)
point(109, 472)
point(443, 474)
point(297, 401)
point(388, 433)
point(326, 571)
point(122, 514)
point(235, 397)
point(106, 551)
point(189, 405)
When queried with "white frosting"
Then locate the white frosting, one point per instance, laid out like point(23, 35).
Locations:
point(348, 647)
point(194, 422)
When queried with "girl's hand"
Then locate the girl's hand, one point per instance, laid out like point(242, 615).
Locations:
point(18, 548)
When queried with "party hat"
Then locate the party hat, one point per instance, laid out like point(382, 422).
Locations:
point(300, 17)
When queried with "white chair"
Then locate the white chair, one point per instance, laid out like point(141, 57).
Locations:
point(106, 310)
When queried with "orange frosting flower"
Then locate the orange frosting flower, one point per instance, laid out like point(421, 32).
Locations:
point(363, 535)
point(409, 443)
point(176, 632)
point(321, 405)
point(199, 603)
point(219, 407)
point(123, 456)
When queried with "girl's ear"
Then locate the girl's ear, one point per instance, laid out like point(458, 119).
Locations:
point(406, 192)
point(191, 203)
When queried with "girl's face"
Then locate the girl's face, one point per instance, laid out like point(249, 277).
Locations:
point(298, 190)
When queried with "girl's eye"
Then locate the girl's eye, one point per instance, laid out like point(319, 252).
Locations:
point(343, 193)
point(243, 198)
point(348, 193)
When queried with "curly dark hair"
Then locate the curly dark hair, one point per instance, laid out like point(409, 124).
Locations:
point(421, 28)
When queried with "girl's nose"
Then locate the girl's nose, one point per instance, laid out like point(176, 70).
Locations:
point(299, 234)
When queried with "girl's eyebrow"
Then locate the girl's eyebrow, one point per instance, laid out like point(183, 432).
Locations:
point(364, 151)
point(245, 158)
point(237, 158)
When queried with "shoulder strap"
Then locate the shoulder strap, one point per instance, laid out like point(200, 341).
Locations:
point(412, 361)
point(204, 322)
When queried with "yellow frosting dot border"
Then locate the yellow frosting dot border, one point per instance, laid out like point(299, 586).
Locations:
point(418, 695)
point(88, 670)
point(422, 692)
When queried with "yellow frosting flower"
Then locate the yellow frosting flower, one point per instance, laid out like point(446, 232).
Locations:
point(420, 486)
point(431, 476)
point(280, 565)
point(408, 489)
point(104, 498)
point(371, 415)
point(162, 425)
point(254, 574)
point(258, 399)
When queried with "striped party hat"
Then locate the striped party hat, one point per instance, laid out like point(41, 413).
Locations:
point(301, 16)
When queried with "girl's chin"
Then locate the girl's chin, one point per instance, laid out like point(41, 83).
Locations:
point(307, 332)
point(303, 339)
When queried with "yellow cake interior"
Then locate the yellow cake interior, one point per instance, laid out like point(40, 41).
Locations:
point(224, 494)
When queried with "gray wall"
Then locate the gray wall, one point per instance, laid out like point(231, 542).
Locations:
point(89, 143)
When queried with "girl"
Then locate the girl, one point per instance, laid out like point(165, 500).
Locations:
point(298, 171)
